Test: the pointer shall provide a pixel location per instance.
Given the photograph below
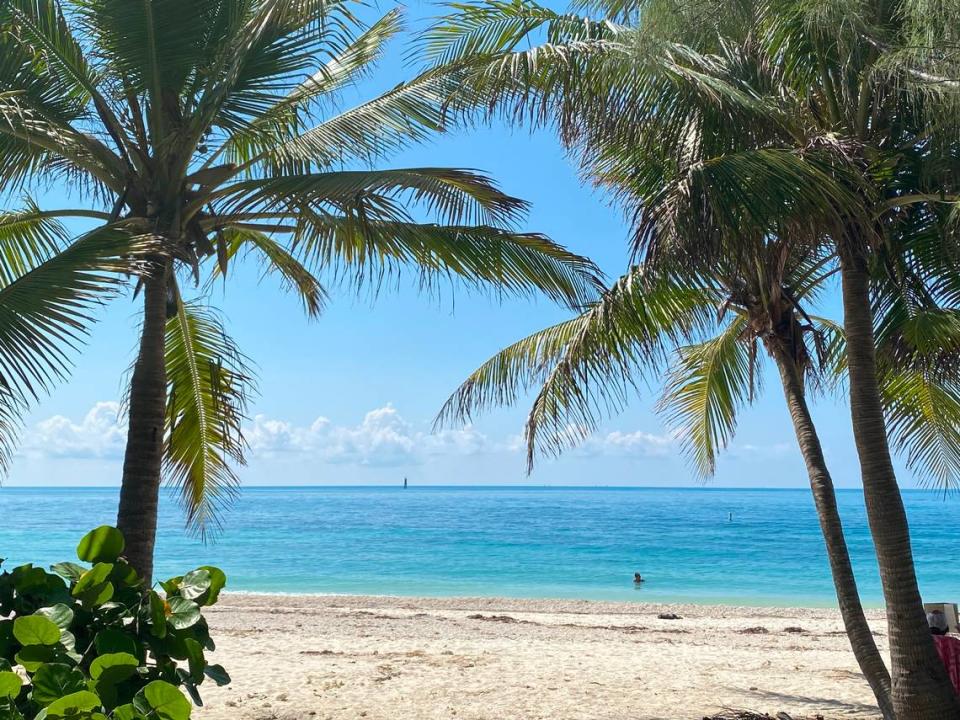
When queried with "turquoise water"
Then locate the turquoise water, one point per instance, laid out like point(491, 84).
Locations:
point(519, 542)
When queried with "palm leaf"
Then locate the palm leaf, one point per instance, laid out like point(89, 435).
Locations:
point(28, 237)
point(705, 388)
point(209, 385)
point(518, 263)
point(45, 315)
point(585, 369)
point(276, 260)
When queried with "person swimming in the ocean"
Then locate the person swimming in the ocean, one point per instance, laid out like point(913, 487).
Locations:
point(637, 578)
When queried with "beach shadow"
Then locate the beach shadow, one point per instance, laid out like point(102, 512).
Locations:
point(821, 704)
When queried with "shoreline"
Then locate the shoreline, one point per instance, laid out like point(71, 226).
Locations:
point(465, 658)
point(604, 606)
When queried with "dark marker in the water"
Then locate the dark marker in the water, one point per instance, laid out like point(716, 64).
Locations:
point(404, 482)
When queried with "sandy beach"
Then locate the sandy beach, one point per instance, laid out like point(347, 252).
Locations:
point(384, 658)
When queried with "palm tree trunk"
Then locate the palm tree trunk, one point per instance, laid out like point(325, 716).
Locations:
point(858, 631)
point(921, 689)
point(140, 490)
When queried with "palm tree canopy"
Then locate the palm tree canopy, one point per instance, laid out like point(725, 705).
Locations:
point(197, 131)
point(779, 121)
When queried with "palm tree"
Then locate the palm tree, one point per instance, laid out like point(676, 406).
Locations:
point(582, 370)
point(196, 131)
point(787, 118)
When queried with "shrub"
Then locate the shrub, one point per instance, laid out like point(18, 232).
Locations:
point(91, 642)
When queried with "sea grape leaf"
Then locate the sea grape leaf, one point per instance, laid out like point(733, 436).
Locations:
point(162, 701)
point(33, 656)
point(195, 583)
point(104, 544)
point(112, 640)
point(218, 580)
point(195, 659)
point(113, 667)
point(59, 614)
point(36, 630)
point(10, 684)
point(158, 614)
point(73, 704)
point(182, 613)
point(56, 680)
point(217, 674)
point(68, 570)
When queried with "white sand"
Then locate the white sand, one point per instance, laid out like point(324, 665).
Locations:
point(384, 658)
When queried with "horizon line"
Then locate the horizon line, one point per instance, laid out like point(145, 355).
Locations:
point(399, 486)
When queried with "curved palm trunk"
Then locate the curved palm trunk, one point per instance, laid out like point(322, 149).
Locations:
point(921, 689)
point(140, 491)
point(858, 631)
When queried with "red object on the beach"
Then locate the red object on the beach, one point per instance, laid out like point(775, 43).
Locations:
point(949, 649)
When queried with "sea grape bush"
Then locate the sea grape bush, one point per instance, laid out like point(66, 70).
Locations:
point(90, 642)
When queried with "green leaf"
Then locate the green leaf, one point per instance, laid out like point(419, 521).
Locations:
point(93, 577)
point(69, 570)
point(33, 656)
point(59, 614)
point(172, 585)
point(195, 659)
point(114, 667)
point(218, 580)
point(195, 583)
point(183, 613)
point(74, 704)
point(158, 615)
point(10, 684)
point(104, 544)
point(111, 641)
point(54, 681)
point(124, 575)
point(210, 384)
point(126, 712)
point(35, 630)
point(162, 701)
point(93, 589)
point(216, 673)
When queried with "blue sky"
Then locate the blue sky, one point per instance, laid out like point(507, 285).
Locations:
point(350, 399)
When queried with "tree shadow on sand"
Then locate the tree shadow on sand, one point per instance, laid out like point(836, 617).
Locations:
point(818, 705)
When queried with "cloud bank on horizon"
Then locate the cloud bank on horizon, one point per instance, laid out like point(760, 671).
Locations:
point(383, 438)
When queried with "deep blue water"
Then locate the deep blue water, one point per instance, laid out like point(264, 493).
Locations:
point(520, 542)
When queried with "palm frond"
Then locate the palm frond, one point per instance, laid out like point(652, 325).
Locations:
point(209, 385)
point(705, 389)
point(277, 260)
point(28, 237)
point(408, 113)
point(361, 250)
point(586, 368)
point(923, 422)
point(286, 121)
point(45, 315)
point(455, 196)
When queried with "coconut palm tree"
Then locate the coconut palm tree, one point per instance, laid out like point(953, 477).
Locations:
point(808, 121)
point(196, 131)
point(583, 369)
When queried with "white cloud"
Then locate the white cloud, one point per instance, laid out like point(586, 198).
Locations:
point(615, 443)
point(636, 443)
point(382, 438)
point(100, 434)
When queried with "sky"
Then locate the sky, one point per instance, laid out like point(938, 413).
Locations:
point(350, 398)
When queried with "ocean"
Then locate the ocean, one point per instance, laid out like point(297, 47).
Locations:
point(702, 545)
